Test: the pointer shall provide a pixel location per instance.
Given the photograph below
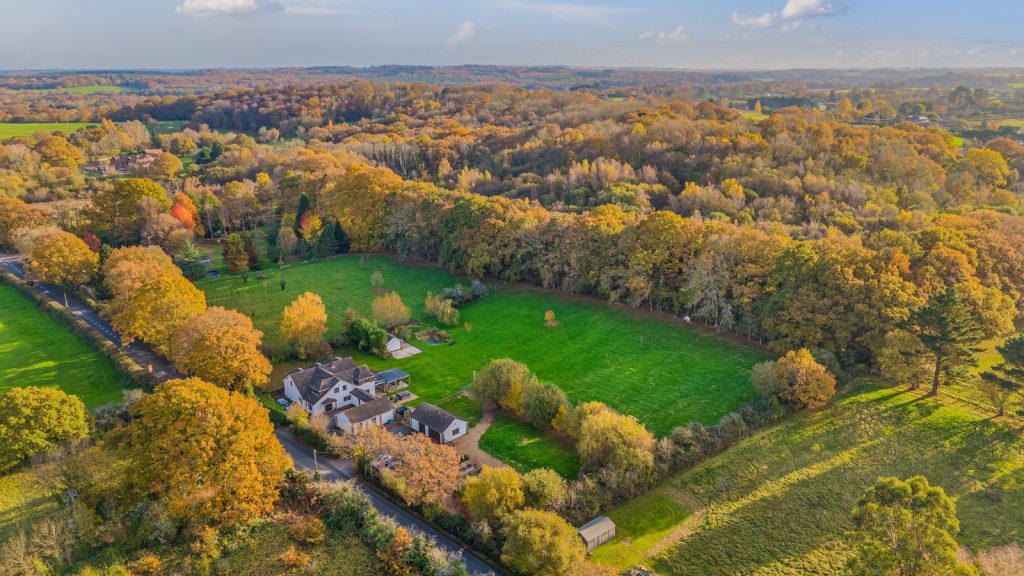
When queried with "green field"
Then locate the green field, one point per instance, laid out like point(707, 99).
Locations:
point(755, 116)
point(36, 350)
point(639, 525)
point(660, 371)
point(23, 499)
point(779, 503)
point(12, 129)
point(524, 448)
point(94, 89)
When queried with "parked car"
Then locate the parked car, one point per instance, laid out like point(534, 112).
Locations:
point(403, 395)
point(284, 403)
point(401, 410)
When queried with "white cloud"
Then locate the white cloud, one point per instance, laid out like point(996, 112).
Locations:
point(807, 9)
point(676, 36)
point(765, 20)
point(795, 11)
point(573, 13)
point(228, 7)
point(466, 32)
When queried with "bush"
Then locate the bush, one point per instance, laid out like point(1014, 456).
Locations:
point(308, 530)
point(293, 558)
point(148, 564)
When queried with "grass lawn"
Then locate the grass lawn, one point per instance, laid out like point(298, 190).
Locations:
point(95, 89)
point(12, 129)
point(779, 503)
point(36, 350)
point(639, 525)
point(23, 499)
point(755, 116)
point(524, 448)
point(664, 373)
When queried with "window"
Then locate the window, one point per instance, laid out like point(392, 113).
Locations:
point(329, 406)
point(335, 388)
point(347, 398)
point(456, 431)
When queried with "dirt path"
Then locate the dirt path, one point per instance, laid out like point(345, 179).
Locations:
point(470, 443)
point(688, 526)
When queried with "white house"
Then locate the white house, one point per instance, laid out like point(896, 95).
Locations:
point(394, 344)
point(379, 411)
point(439, 425)
point(336, 387)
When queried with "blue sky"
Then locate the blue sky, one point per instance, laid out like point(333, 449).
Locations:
point(695, 34)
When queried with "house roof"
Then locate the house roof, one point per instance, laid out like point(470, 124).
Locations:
point(364, 412)
point(434, 417)
point(315, 381)
point(596, 527)
point(363, 395)
point(391, 375)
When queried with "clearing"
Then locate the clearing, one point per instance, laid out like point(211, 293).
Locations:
point(37, 350)
point(778, 503)
point(664, 373)
point(640, 524)
point(12, 129)
point(524, 448)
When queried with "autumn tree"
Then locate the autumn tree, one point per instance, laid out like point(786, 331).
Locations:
point(115, 212)
point(544, 489)
point(1005, 379)
point(235, 256)
point(209, 455)
point(304, 322)
point(541, 543)
point(950, 332)
point(34, 420)
point(389, 310)
point(905, 527)
point(64, 259)
point(377, 279)
point(222, 347)
point(501, 382)
point(156, 309)
point(617, 442)
point(287, 242)
point(128, 268)
point(358, 200)
point(15, 215)
point(493, 494)
point(425, 472)
point(542, 403)
point(797, 378)
point(166, 167)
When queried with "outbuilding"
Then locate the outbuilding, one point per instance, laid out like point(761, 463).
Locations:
point(597, 532)
point(439, 425)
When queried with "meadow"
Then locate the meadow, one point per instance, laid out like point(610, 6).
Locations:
point(779, 502)
point(37, 350)
point(524, 448)
point(663, 372)
point(94, 89)
point(12, 129)
point(639, 525)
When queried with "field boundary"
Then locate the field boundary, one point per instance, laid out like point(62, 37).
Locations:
point(132, 373)
point(699, 512)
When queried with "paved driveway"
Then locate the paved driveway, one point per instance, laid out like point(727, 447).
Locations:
point(334, 469)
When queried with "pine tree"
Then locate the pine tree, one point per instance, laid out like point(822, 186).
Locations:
point(950, 330)
point(341, 242)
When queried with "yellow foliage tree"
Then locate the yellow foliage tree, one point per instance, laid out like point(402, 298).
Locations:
point(304, 322)
point(128, 268)
point(63, 258)
point(389, 310)
point(221, 346)
point(541, 543)
point(209, 455)
point(156, 309)
point(611, 440)
point(493, 494)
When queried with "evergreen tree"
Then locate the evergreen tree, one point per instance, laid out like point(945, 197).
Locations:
point(950, 331)
point(1006, 378)
point(341, 242)
point(301, 211)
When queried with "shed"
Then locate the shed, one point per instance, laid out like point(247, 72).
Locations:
point(597, 532)
point(439, 425)
point(394, 344)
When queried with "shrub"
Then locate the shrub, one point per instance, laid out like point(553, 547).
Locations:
point(447, 314)
point(148, 564)
point(308, 530)
point(293, 558)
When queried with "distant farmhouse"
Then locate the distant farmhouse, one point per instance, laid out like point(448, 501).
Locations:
point(124, 163)
point(346, 392)
point(439, 425)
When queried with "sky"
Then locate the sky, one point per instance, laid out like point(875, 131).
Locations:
point(687, 34)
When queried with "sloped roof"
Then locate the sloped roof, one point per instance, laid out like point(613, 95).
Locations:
point(364, 412)
point(434, 417)
point(362, 395)
point(315, 381)
point(596, 527)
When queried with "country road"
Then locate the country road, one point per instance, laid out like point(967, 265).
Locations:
point(140, 353)
point(333, 469)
